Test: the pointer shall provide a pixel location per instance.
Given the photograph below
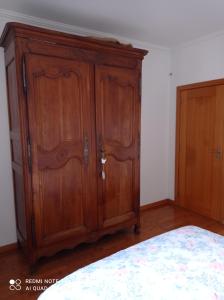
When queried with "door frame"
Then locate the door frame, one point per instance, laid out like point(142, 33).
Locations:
point(179, 89)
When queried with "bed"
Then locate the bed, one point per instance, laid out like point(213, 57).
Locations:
point(186, 263)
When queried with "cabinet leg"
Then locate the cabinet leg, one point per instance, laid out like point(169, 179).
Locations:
point(33, 265)
point(137, 228)
point(33, 268)
point(19, 246)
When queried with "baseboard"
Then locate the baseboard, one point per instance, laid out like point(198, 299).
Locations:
point(8, 248)
point(156, 204)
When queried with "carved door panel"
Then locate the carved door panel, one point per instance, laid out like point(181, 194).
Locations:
point(61, 122)
point(118, 117)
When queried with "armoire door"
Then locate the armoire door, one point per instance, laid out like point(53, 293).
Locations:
point(117, 119)
point(199, 152)
point(61, 121)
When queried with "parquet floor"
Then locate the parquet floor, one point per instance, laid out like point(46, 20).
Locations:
point(154, 221)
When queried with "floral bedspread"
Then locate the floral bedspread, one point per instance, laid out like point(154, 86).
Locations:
point(183, 264)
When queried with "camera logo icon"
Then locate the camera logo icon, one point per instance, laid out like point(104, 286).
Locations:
point(15, 284)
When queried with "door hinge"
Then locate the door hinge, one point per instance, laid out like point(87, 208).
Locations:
point(29, 153)
point(24, 76)
point(33, 230)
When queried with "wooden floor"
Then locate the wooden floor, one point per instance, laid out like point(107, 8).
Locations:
point(154, 222)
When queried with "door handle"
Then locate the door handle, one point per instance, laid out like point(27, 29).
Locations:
point(101, 157)
point(218, 153)
point(103, 175)
point(103, 161)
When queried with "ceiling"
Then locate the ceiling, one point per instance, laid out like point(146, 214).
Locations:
point(162, 22)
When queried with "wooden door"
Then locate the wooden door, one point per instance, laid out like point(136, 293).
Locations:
point(218, 177)
point(117, 118)
point(61, 122)
point(200, 131)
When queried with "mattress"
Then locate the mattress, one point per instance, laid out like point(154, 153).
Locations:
point(186, 263)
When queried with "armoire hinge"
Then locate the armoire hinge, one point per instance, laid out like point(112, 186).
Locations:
point(24, 76)
point(29, 153)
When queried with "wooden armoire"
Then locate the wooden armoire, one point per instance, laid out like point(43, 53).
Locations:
point(74, 111)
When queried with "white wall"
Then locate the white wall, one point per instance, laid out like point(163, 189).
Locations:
point(155, 128)
point(7, 215)
point(197, 61)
